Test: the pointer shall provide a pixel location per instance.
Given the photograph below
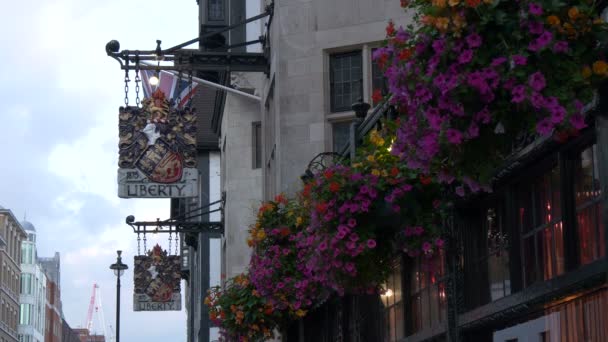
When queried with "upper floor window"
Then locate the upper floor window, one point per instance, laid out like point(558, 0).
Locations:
point(346, 80)
point(216, 10)
point(340, 134)
point(587, 193)
point(256, 134)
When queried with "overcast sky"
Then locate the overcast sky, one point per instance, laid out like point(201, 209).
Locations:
point(59, 96)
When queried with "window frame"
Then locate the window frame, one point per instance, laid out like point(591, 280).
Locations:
point(256, 145)
point(354, 52)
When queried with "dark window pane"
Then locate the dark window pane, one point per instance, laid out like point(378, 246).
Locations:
point(544, 250)
point(346, 71)
point(584, 180)
point(340, 135)
point(216, 10)
point(399, 321)
point(529, 260)
point(558, 235)
point(587, 225)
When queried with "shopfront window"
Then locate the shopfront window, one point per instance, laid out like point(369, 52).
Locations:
point(540, 223)
point(392, 299)
point(587, 193)
point(427, 295)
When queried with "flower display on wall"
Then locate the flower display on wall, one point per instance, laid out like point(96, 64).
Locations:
point(468, 79)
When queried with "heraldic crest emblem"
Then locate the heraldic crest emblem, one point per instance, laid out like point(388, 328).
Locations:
point(157, 146)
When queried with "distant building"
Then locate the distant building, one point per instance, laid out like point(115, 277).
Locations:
point(11, 235)
point(84, 336)
point(68, 334)
point(32, 296)
point(51, 267)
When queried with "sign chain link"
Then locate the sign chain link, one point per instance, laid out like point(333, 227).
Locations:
point(145, 246)
point(176, 243)
point(127, 80)
point(170, 240)
point(137, 80)
point(138, 244)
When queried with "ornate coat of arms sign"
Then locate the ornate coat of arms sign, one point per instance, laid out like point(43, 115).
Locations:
point(157, 150)
point(157, 281)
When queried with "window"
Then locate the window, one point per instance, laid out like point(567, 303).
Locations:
point(587, 193)
point(540, 223)
point(498, 253)
point(393, 305)
point(346, 80)
point(340, 135)
point(379, 82)
point(216, 10)
point(427, 294)
point(256, 134)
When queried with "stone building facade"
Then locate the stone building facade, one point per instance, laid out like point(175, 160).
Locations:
point(11, 235)
point(32, 296)
point(52, 269)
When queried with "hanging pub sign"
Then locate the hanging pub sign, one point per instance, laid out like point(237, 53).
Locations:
point(157, 281)
point(157, 150)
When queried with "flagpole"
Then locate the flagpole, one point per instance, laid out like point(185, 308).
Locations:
point(210, 84)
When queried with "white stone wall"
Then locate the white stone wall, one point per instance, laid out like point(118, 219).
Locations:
point(303, 34)
point(241, 182)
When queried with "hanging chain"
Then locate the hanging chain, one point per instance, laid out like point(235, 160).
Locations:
point(178, 100)
point(176, 242)
point(145, 246)
point(138, 243)
point(127, 80)
point(137, 80)
point(170, 239)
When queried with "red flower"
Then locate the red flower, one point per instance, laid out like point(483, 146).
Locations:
point(473, 3)
point(280, 198)
point(306, 191)
point(405, 3)
point(390, 29)
point(425, 180)
point(377, 96)
point(394, 171)
point(321, 207)
point(284, 231)
point(328, 174)
point(405, 54)
point(334, 187)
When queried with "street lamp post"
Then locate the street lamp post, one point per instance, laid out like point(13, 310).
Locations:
point(118, 268)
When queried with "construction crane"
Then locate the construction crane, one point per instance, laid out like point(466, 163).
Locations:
point(95, 306)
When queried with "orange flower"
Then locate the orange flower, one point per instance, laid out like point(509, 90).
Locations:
point(553, 20)
point(222, 314)
point(439, 3)
point(453, 2)
point(442, 23)
point(428, 20)
point(573, 13)
point(240, 314)
point(586, 71)
point(334, 187)
point(600, 68)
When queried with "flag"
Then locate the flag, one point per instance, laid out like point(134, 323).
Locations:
point(169, 84)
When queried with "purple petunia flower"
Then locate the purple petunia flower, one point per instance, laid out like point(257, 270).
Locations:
point(537, 100)
point(560, 47)
point(439, 46)
point(352, 223)
point(544, 126)
point(460, 191)
point(473, 40)
point(371, 243)
point(498, 61)
point(535, 27)
point(519, 93)
point(426, 247)
point(535, 8)
point(537, 81)
point(578, 121)
point(558, 113)
point(483, 116)
point(519, 60)
point(465, 57)
point(439, 243)
point(454, 136)
point(473, 131)
point(545, 38)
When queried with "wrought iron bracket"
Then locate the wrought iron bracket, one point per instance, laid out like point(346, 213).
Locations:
point(182, 223)
point(196, 60)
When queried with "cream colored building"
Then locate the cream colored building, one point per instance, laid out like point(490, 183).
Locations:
point(11, 236)
point(320, 63)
